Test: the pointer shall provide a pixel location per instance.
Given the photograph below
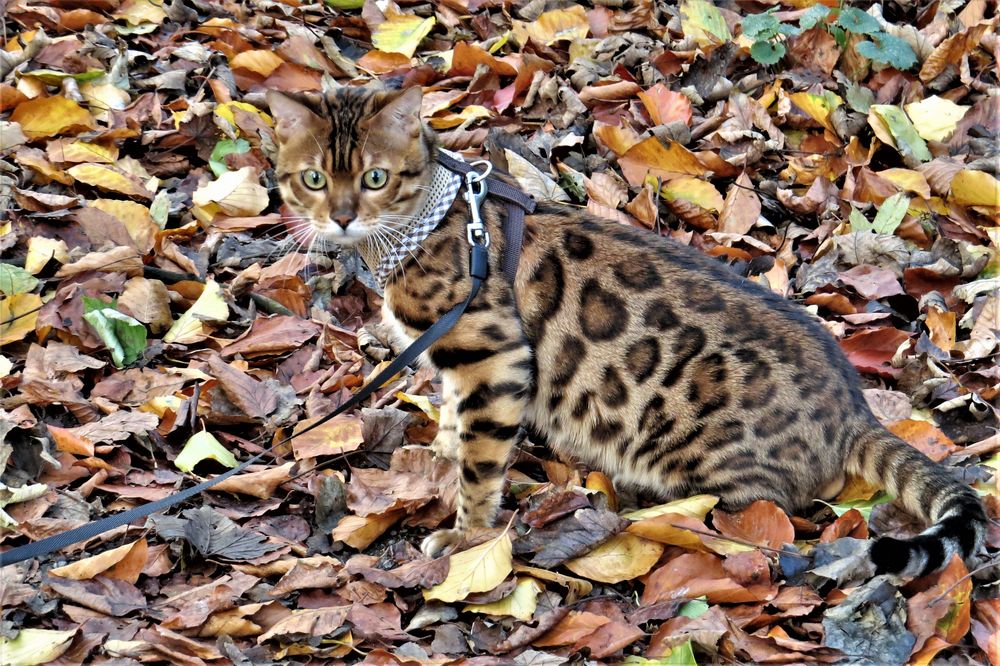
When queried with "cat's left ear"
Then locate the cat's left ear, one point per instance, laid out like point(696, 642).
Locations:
point(292, 117)
point(401, 114)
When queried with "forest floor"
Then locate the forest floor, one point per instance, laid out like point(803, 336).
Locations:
point(158, 324)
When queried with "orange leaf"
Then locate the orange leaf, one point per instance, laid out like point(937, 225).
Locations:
point(762, 523)
point(49, 116)
point(924, 437)
point(665, 105)
point(692, 575)
point(575, 626)
point(122, 563)
point(986, 628)
point(68, 441)
point(652, 158)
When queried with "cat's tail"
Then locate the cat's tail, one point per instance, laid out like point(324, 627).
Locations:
point(927, 490)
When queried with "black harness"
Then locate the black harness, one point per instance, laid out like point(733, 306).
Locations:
point(479, 185)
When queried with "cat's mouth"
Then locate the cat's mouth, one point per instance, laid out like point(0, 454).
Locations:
point(309, 233)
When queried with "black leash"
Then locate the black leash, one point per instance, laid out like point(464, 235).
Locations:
point(478, 186)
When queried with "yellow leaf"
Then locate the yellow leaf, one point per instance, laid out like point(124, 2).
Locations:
point(203, 446)
point(423, 402)
point(360, 531)
point(401, 33)
point(82, 151)
point(909, 180)
point(701, 21)
point(35, 159)
point(210, 306)
point(652, 158)
point(124, 563)
point(49, 116)
point(975, 188)
point(817, 107)
point(108, 178)
point(693, 190)
point(237, 193)
point(469, 114)
point(42, 250)
point(136, 12)
point(104, 97)
point(520, 603)
point(568, 24)
point(259, 61)
point(478, 569)
point(935, 117)
point(577, 586)
point(18, 315)
point(35, 646)
point(622, 557)
point(697, 506)
point(226, 112)
point(136, 218)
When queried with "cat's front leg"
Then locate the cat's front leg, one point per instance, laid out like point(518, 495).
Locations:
point(491, 394)
point(445, 444)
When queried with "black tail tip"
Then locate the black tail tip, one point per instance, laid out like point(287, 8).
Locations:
point(891, 556)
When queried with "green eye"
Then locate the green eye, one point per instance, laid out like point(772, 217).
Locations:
point(313, 179)
point(375, 179)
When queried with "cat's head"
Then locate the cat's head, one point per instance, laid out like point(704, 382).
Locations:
point(351, 161)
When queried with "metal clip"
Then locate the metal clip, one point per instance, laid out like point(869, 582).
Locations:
point(475, 192)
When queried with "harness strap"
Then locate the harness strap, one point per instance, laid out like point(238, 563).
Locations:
point(56, 542)
point(518, 203)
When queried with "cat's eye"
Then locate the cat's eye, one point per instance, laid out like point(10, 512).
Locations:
point(375, 179)
point(313, 179)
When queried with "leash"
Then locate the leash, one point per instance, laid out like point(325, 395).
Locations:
point(478, 185)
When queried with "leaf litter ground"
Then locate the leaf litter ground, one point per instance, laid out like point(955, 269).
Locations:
point(159, 322)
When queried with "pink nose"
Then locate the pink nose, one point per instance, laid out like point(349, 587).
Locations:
point(343, 219)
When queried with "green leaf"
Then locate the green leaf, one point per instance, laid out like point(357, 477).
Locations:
point(854, 20)
point(53, 77)
point(891, 213)
point(761, 26)
point(35, 646)
point(908, 142)
point(15, 280)
point(815, 14)
point(864, 507)
point(888, 49)
point(203, 446)
point(860, 98)
point(694, 608)
point(345, 4)
point(679, 655)
point(124, 336)
point(217, 160)
point(858, 221)
point(767, 53)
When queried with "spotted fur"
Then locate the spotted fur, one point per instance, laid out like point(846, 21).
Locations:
point(628, 352)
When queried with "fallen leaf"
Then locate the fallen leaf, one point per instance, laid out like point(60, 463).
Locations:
point(478, 569)
point(123, 563)
point(35, 646)
point(622, 557)
point(401, 33)
point(210, 307)
point(520, 603)
point(49, 116)
point(236, 193)
point(761, 523)
point(203, 446)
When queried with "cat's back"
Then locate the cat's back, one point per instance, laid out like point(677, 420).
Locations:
point(652, 358)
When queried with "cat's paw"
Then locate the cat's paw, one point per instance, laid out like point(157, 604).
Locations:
point(440, 543)
point(445, 445)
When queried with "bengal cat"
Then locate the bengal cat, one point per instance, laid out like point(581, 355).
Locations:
point(630, 353)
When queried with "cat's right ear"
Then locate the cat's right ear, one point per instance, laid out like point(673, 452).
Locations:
point(291, 117)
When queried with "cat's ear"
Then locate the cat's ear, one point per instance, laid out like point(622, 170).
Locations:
point(401, 114)
point(292, 117)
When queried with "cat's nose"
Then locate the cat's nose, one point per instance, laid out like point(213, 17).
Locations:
point(343, 219)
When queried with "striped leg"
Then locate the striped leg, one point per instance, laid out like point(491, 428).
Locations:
point(492, 396)
point(445, 444)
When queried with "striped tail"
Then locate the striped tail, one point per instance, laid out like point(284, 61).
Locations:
point(926, 489)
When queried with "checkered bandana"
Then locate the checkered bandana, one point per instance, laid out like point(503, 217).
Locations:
point(444, 188)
